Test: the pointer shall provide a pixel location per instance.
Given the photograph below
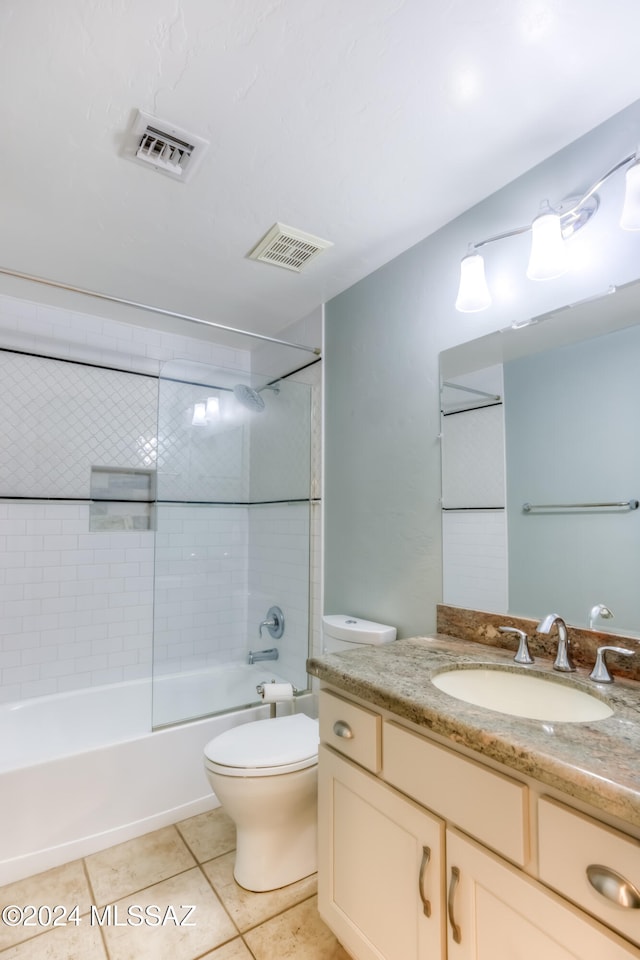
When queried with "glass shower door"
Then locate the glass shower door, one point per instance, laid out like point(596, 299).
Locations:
point(232, 537)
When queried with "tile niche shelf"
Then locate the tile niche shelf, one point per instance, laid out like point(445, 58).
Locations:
point(122, 499)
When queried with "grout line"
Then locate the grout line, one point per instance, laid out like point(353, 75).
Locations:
point(280, 913)
point(248, 948)
point(155, 883)
point(44, 930)
point(93, 900)
point(217, 895)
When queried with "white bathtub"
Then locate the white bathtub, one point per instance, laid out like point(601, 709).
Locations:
point(82, 771)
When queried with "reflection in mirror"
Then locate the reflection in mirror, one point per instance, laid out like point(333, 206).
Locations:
point(541, 466)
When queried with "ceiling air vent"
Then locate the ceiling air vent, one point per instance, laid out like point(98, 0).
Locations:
point(165, 147)
point(289, 248)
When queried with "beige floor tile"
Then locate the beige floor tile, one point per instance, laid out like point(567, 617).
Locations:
point(249, 909)
point(236, 950)
point(211, 927)
point(64, 886)
point(135, 864)
point(298, 934)
point(62, 943)
point(209, 834)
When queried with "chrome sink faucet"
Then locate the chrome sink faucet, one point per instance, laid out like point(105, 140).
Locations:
point(563, 661)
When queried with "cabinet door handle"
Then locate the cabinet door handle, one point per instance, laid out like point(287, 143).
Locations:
point(613, 886)
point(426, 904)
point(342, 729)
point(453, 883)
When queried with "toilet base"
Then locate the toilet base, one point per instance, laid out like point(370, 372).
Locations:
point(262, 863)
point(276, 826)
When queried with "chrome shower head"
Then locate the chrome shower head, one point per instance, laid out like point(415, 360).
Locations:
point(249, 398)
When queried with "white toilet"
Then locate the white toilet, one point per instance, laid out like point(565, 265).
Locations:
point(264, 774)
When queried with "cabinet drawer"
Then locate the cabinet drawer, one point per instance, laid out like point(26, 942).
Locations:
point(570, 843)
point(483, 803)
point(350, 729)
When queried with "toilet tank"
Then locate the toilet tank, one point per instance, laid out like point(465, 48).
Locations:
point(343, 632)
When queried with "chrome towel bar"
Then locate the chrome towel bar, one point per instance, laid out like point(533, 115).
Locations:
point(621, 504)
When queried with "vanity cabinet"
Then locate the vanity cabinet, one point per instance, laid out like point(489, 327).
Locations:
point(495, 912)
point(380, 866)
point(428, 854)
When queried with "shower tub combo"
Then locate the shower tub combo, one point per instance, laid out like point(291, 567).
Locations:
point(110, 778)
point(219, 508)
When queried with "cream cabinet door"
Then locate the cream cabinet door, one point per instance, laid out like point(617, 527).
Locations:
point(380, 866)
point(495, 912)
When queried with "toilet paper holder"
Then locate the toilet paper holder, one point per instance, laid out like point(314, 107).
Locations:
point(275, 692)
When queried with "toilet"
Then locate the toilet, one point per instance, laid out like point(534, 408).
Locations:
point(264, 773)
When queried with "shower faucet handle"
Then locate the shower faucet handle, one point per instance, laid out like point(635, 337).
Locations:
point(274, 623)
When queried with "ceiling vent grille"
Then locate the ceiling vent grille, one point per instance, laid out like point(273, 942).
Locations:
point(288, 247)
point(165, 147)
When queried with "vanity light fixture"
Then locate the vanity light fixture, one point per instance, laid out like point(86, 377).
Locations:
point(548, 257)
point(473, 294)
point(630, 219)
point(549, 232)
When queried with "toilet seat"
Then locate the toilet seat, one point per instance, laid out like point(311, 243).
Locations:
point(265, 748)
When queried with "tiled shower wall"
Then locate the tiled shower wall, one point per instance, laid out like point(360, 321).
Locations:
point(77, 605)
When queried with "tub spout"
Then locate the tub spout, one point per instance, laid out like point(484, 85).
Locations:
point(270, 654)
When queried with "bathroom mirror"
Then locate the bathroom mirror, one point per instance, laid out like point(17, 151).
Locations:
point(541, 466)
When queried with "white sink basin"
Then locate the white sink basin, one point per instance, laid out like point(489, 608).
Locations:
point(534, 696)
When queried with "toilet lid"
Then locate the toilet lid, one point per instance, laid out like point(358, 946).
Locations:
point(266, 743)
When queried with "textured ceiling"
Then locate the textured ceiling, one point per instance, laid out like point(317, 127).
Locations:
point(369, 123)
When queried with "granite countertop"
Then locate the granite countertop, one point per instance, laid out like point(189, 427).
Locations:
point(596, 762)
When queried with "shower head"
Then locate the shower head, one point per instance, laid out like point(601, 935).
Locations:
point(249, 398)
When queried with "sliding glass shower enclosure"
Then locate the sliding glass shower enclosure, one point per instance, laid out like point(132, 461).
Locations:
point(232, 520)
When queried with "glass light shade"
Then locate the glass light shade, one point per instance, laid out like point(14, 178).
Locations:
point(212, 409)
point(630, 219)
point(548, 257)
point(473, 292)
point(199, 414)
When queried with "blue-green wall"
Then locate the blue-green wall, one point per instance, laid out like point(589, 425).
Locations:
point(382, 340)
point(570, 419)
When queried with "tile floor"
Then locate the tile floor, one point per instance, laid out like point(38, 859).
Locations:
point(132, 901)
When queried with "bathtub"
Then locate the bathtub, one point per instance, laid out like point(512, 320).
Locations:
point(82, 771)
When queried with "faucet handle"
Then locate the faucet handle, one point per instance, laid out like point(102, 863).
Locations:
point(523, 655)
point(600, 672)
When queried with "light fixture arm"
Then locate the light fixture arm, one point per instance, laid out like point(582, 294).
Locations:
point(549, 231)
point(501, 236)
point(564, 214)
point(596, 186)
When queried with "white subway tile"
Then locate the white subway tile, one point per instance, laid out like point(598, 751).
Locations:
point(59, 574)
point(21, 674)
point(38, 688)
point(111, 586)
point(74, 681)
point(10, 658)
point(107, 675)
